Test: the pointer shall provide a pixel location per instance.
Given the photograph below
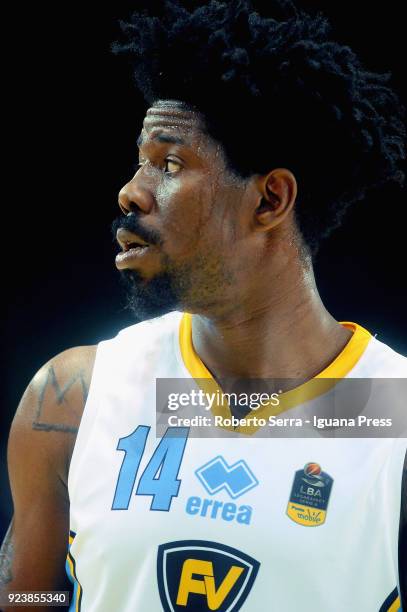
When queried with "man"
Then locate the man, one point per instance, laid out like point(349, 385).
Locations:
point(260, 133)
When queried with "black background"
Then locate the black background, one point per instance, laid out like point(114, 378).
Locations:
point(74, 119)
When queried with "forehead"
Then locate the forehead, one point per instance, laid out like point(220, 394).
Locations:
point(173, 119)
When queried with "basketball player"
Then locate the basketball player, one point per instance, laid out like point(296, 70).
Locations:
point(260, 133)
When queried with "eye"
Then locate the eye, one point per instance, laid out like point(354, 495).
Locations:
point(171, 166)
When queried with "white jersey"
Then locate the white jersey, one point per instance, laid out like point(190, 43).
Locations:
point(226, 523)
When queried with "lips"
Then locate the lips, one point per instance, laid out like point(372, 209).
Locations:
point(128, 240)
point(134, 252)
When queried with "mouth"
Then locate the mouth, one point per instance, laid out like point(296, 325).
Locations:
point(135, 251)
point(134, 246)
point(130, 241)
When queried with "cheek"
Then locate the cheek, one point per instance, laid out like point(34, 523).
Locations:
point(186, 215)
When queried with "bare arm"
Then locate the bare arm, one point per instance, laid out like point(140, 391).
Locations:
point(40, 445)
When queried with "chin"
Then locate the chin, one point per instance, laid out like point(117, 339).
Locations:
point(148, 299)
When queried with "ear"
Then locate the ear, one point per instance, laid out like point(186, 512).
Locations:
point(277, 194)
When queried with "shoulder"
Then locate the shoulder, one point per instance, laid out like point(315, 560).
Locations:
point(145, 331)
point(63, 381)
point(381, 361)
point(49, 413)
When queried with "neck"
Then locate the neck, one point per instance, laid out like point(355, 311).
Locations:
point(289, 335)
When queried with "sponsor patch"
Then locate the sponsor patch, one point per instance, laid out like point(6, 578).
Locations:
point(198, 576)
point(309, 496)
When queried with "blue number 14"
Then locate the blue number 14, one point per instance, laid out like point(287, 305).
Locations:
point(159, 477)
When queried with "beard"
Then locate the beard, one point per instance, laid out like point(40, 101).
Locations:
point(186, 288)
point(192, 286)
point(147, 300)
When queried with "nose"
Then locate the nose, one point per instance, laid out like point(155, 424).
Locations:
point(133, 197)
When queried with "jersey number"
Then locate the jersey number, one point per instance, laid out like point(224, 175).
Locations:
point(159, 477)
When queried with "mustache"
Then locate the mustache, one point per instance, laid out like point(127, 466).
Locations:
point(131, 223)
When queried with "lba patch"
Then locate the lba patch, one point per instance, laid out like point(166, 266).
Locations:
point(309, 496)
point(198, 576)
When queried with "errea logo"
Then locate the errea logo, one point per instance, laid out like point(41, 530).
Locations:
point(216, 476)
point(236, 479)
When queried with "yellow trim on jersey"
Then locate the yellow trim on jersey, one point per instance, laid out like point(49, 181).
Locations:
point(395, 606)
point(78, 590)
point(338, 369)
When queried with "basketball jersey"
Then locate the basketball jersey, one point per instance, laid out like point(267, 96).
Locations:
point(226, 523)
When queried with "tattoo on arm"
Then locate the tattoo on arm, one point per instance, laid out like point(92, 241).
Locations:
point(54, 427)
point(60, 396)
point(6, 557)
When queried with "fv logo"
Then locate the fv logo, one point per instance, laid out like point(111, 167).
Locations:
point(199, 576)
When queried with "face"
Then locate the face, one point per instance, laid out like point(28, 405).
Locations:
point(185, 235)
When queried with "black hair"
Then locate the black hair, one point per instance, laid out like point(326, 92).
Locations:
point(275, 92)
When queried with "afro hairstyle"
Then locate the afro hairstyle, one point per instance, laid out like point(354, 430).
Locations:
point(337, 126)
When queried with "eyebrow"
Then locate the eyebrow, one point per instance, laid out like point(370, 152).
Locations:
point(164, 138)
